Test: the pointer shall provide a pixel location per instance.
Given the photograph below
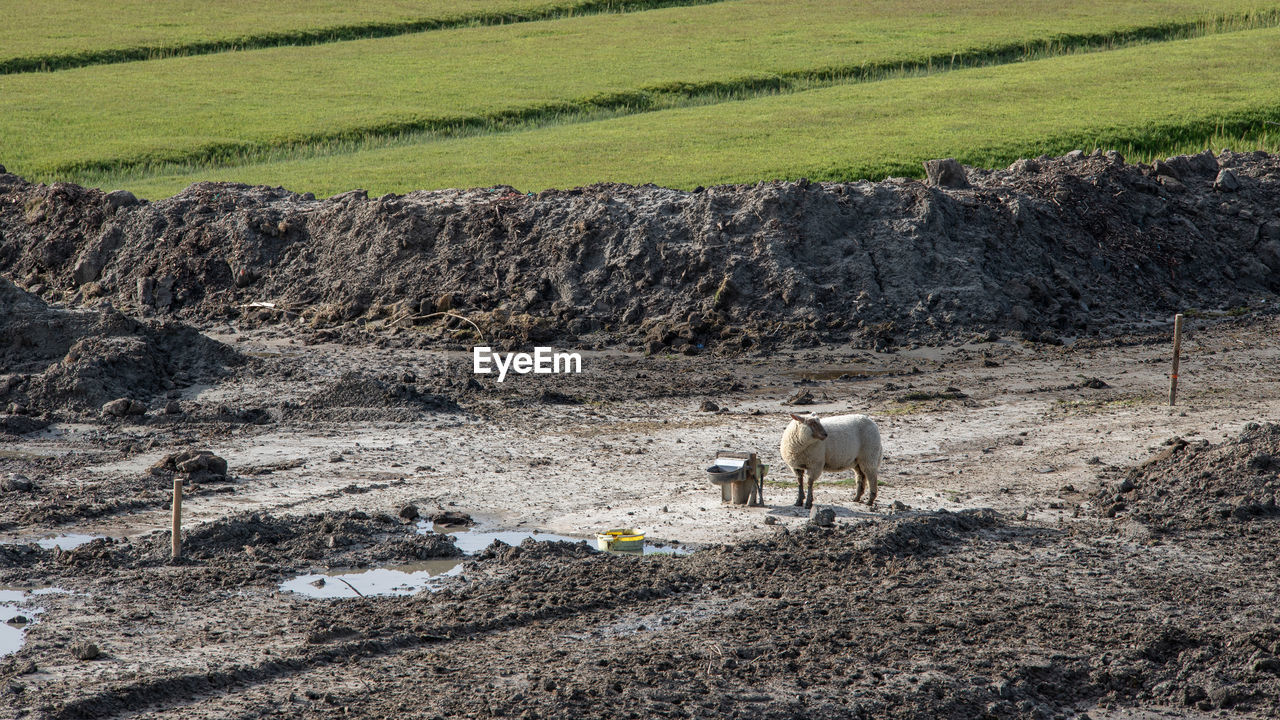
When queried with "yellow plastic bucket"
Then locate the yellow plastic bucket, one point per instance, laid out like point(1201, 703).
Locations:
point(620, 540)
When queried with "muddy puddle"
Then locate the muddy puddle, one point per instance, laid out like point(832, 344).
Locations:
point(410, 578)
point(405, 579)
point(18, 611)
point(68, 541)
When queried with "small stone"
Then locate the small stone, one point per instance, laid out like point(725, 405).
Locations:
point(1094, 383)
point(708, 406)
point(1074, 156)
point(173, 407)
point(899, 506)
point(409, 512)
point(408, 378)
point(822, 516)
point(244, 277)
point(85, 650)
point(1226, 181)
point(318, 582)
point(947, 173)
point(119, 407)
point(17, 483)
point(801, 397)
point(770, 520)
point(121, 198)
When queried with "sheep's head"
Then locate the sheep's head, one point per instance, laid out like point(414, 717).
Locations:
point(812, 422)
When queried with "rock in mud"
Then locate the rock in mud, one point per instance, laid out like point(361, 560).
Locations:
point(198, 465)
point(822, 516)
point(947, 173)
point(120, 198)
point(409, 512)
point(123, 407)
point(84, 650)
point(799, 397)
point(1226, 181)
point(708, 406)
point(451, 517)
point(15, 482)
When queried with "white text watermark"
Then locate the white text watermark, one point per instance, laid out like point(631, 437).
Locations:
point(542, 361)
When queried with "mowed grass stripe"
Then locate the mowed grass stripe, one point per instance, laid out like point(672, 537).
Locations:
point(64, 34)
point(1148, 98)
point(230, 108)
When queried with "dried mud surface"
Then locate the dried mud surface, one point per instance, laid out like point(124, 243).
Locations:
point(1052, 540)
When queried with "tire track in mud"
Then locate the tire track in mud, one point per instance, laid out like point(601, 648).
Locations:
point(607, 585)
point(172, 691)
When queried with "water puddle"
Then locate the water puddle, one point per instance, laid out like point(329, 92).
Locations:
point(399, 580)
point(410, 578)
point(16, 615)
point(49, 542)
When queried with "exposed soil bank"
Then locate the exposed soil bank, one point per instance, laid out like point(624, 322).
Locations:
point(58, 360)
point(1069, 246)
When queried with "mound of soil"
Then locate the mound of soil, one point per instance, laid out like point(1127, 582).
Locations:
point(1075, 245)
point(360, 397)
point(248, 547)
point(1194, 486)
point(60, 360)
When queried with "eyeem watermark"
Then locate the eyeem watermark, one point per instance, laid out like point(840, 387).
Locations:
point(543, 361)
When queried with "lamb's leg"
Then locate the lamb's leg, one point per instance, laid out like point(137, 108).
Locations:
point(862, 482)
point(799, 487)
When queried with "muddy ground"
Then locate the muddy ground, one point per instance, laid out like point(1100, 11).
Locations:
point(1051, 539)
point(1028, 557)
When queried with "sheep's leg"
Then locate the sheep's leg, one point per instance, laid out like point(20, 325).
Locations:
point(862, 482)
point(799, 487)
point(873, 483)
point(813, 476)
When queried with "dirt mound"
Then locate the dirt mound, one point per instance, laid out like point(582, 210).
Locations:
point(1076, 245)
point(360, 397)
point(54, 360)
point(245, 548)
point(1200, 485)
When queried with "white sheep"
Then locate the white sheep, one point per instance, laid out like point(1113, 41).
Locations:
point(836, 443)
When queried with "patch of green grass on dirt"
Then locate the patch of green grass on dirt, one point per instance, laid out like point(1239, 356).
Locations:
point(1152, 97)
point(399, 94)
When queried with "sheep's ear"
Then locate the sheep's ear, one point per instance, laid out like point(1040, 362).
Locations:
point(797, 418)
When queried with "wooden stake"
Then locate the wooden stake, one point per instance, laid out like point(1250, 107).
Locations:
point(177, 518)
point(1177, 351)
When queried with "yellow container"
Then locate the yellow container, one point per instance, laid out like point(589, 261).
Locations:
point(621, 540)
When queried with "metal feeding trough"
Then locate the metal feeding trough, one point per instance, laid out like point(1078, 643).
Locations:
point(740, 477)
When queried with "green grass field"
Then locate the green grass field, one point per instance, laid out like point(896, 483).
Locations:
point(233, 108)
point(56, 34)
point(1139, 99)
point(692, 93)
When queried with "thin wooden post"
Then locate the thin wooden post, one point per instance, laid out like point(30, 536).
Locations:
point(1177, 351)
point(177, 518)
